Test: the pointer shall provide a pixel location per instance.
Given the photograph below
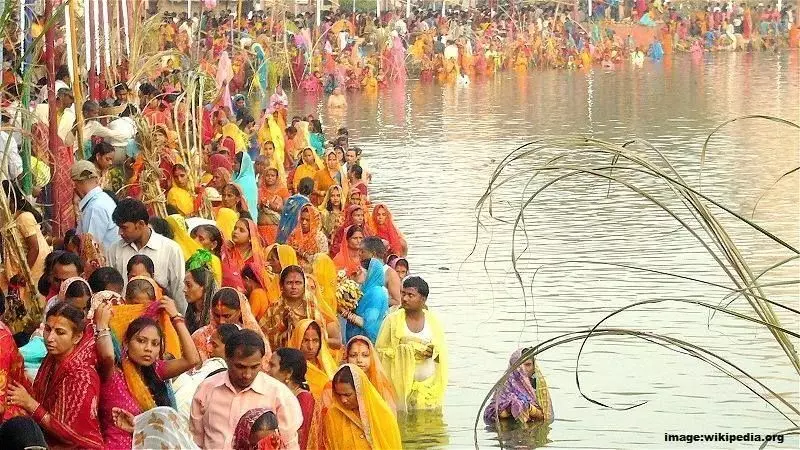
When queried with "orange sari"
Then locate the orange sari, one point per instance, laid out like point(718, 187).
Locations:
point(375, 372)
point(346, 260)
point(233, 259)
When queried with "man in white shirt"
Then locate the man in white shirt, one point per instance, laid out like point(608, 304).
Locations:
point(92, 127)
point(138, 238)
point(9, 152)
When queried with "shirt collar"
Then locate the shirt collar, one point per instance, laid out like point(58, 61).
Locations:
point(258, 386)
point(89, 196)
point(155, 242)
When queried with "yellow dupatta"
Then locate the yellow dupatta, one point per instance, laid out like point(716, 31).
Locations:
point(232, 131)
point(181, 199)
point(304, 171)
point(319, 372)
point(288, 257)
point(398, 351)
point(226, 220)
point(189, 246)
point(372, 427)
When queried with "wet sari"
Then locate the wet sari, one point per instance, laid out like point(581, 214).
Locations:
point(388, 231)
point(321, 369)
point(519, 396)
point(375, 373)
point(68, 392)
point(372, 426)
point(374, 303)
point(233, 259)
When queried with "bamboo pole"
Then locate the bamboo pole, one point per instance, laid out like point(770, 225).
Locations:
point(52, 116)
point(76, 83)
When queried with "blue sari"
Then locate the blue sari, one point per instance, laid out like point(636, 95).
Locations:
point(373, 304)
point(317, 142)
point(290, 216)
point(246, 179)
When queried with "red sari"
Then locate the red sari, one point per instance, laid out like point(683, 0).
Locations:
point(11, 370)
point(388, 231)
point(68, 393)
point(233, 261)
point(338, 236)
point(345, 260)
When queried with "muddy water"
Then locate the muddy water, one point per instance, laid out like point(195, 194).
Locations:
point(432, 149)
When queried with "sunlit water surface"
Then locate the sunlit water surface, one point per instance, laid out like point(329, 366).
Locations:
point(432, 150)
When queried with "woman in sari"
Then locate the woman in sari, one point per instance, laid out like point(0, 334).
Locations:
point(309, 339)
point(524, 397)
point(245, 177)
point(325, 274)
point(348, 258)
point(244, 247)
point(12, 369)
point(140, 381)
point(353, 215)
point(327, 177)
point(358, 418)
point(178, 195)
point(63, 400)
point(220, 167)
point(233, 198)
point(200, 286)
point(308, 238)
point(209, 238)
point(289, 366)
point(226, 219)
point(382, 225)
point(316, 138)
point(227, 306)
point(258, 429)
point(360, 352)
point(307, 169)
point(368, 316)
point(76, 292)
point(291, 215)
point(272, 194)
point(254, 279)
point(332, 210)
point(279, 256)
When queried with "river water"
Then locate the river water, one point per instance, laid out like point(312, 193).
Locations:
point(432, 150)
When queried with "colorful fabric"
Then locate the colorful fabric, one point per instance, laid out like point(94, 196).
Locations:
point(12, 370)
point(375, 373)
point(290, 216)
point(233, 259)
point(313, 242)
point(346, 259)
point(246, 180)
point(374, 303)
point(398, 352)
point(321, 369)
point(162, 428)
point(241, 436)
point(226, 219)
point(371, 427)
point(518, 396)
point(388, 231)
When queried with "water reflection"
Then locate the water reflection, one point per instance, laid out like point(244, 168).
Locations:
point(423, 429)
point(512, 434)
point(432, 149)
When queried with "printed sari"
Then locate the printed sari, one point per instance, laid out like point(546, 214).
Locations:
point(338, 238)
point(290, 216)
point(519, 396)
point(162, 428)
point(372, 426)
point(12, 369)
point(68, 392)
point(241, 435)
point(309, 244)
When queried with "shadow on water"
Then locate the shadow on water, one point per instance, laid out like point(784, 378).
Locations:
point(512, 434)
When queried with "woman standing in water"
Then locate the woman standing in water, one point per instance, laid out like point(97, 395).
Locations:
point(523, 398)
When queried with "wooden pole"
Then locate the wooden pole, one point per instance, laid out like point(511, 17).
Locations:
point(76, 78)
point(52, 114)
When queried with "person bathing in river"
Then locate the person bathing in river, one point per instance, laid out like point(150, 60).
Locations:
point(523, 398)
point(337, 99)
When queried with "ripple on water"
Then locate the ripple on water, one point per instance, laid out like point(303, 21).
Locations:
point(432, 150)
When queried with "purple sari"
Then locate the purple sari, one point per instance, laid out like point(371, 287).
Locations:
point(516, 396)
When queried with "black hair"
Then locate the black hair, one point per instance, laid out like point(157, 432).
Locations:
point(130, 210)
point(156, 386)
point(247, 120)
point(144, 260)
point(21, 432)
point(147, 89)
point(248, 273)
point(63, 72)
point(213, 233)
point(293, 361)
point(161, 226)
point(66, 310)
point(71, 237)
point(103, 278)
point(121, 86)
point(357, 171)
point(345, 376)
point(375, 245)
point(305, 186)
point(417, 283)
point(316, 126)
point(353, 230)
point(78, 289)
point(17, 201)
point(204, 277)
point(291, 269)
point(69, 259)
point(343, 132)
point(138, 286)
point(129, 110)
point(100, 149)
point(402, 262)
point(265, 422)
point(244, 343)
point(228, 298)
point(43, 286)
point(226, 330)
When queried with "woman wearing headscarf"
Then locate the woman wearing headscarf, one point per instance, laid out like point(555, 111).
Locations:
point(220, 168)
point(328, 176)
point(348, 258)
point(307, 238)
point(308, 169)
point(360, 351)
point(524, 397)
point(194, 254)
point(358, 417)
point(353, 215)
point(244, 247)
point(309, 338)
point(258, 429)
point(382, 225)
point(332, 208)
point(244, 176)
point(368, 316)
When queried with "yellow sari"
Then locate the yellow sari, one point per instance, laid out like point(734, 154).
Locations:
point(319, 372)
point(226, 220)
point(304, 171)
point(372, 426)
point(398, 355)
point(181, 199)
point(239, 138)
point(325, 272)
point(288, 257)
point(189, 246)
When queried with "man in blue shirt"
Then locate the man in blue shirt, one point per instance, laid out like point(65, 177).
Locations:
point(95, 207)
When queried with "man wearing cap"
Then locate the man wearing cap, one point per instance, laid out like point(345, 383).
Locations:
point(95, 207)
